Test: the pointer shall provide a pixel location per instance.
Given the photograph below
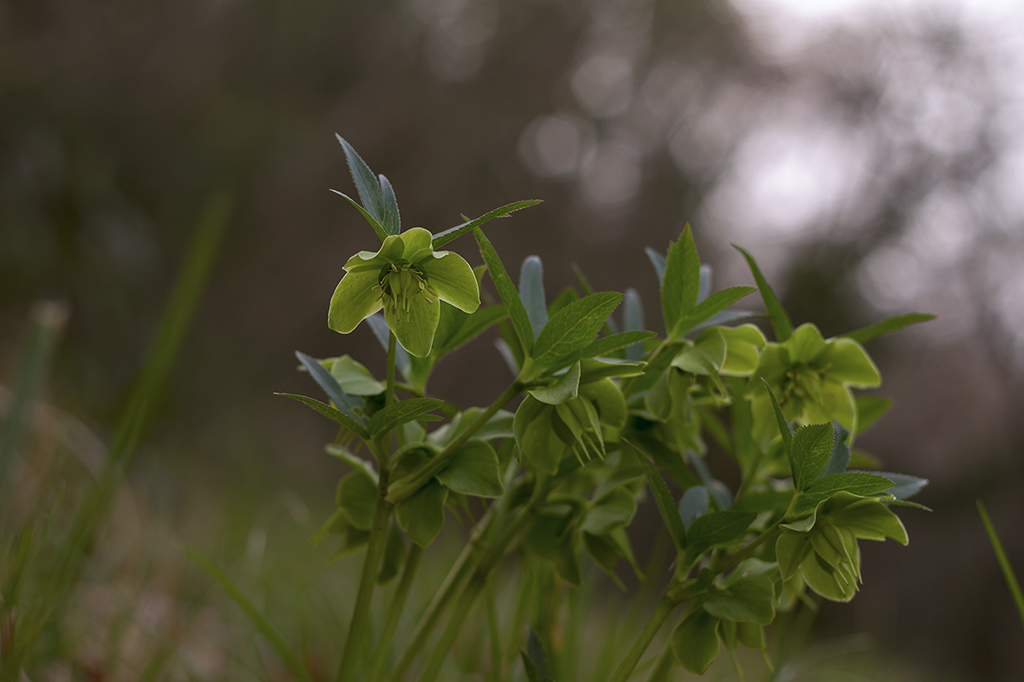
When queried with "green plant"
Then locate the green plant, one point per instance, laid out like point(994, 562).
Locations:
point(607, 409)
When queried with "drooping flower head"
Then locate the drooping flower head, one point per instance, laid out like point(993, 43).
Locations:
point(408, 279)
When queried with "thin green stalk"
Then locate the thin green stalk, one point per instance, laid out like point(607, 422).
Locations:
point(493, 631)
point(663, 665)
point(456, 575)
point(395, 610)
point(367, 581)
point(643, 640)
point(768, 533)
point(462, 608)
point(389, 395)
point(417, 480)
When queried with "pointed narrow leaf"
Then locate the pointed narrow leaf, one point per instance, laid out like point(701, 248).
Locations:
point(331, 413)
point(633, 320)
point(507, 291)
point(906, 485)
point(467, 328)
point(531, 291)
point(366, 182)
point(612, 343)
point(784, 428)
point(716, 528)
point(401, 412)
point(887, 326)
point(448, 235)
point(812, 447)
point(840, 458)
point(662, 497)
point(693, 504)
point(780, 321)
point(681, 280)
point(571, 329)
point(374, 223)
point(391, 219)
point(658, 262)
point(712, 305)
point(347, 404)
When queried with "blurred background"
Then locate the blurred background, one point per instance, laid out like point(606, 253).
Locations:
point(869, 154)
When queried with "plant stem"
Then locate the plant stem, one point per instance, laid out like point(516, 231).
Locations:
point(462, 608)
point(768, 533)
point(367, 580)
point(395, 609)
point(643, 640)
point(413, 482)
point(389, 395)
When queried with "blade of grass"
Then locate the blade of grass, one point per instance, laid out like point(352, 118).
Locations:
point(48, 319)
point(272, 636)
point(1004, 563)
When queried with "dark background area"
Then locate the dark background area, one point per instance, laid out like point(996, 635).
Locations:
point(871, 162)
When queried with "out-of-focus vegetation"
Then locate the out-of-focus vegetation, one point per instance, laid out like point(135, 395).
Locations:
point(886, 147)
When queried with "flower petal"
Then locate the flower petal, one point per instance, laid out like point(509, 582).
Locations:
point(849, 363)
point(390, 251)
point(415, 329)
point(353, 301)
point(805, 344)
point(452, 278)
point(418, 244)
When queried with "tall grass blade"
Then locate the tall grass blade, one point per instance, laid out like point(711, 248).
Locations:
point(272, 636)
point(1004, 563)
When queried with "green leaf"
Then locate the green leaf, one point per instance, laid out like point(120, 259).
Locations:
point(712, 305)
point(750, 600)
point(531, 291)
point(812, 447)
point(565, 388)
point(354, 378)
point(662, 496)
point(780, 321)
point(473, 470)
point(382, 333)
point(536, 436)
point(695, 641)
point(356, 497)
point(346, 404)
point(534, 660)
point(331, 413)
point(422, 514)
point(706, 356)
point(840, 457)
point(612, 510)
point(681, 281)
point(366, 184)
point(592, 369)
point(658, 263)
point(507, 291)
point(609, 344)
point(442, 238)
point(464, 327)
point(263, 626)
point(391, 220)
point(869, 409)
point(905, 485)
point(570, 330)
point(858, 484)
point(716, 528)
point(887, 326)
point(784, 427)
point(1004, 563)
point(633, 320)
point(374, 223)
point(401, 412)
point(694, 504)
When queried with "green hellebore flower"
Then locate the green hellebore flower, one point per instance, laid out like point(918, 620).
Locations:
point(408, 279)
point(811, 377)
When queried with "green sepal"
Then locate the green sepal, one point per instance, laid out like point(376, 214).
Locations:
point(473, 470)
point(695, 641)
point(422, 514)
point(356, 497)
point(564, 388)
point(612, 510)
point(705, 356)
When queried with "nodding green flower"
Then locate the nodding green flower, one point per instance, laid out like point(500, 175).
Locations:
point(811, 377)
point(408, 279)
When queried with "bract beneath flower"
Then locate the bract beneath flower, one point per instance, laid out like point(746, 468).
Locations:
point(407, 279)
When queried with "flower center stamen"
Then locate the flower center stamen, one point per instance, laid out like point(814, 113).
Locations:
point(400, 284)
